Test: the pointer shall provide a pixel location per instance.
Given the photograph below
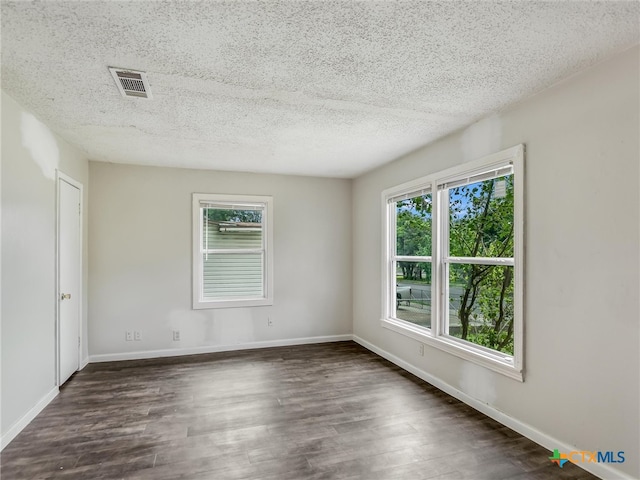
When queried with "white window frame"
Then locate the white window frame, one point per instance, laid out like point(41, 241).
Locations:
point(437, 336)
point(233, 201)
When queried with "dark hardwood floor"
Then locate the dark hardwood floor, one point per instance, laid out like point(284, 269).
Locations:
point(329, 411)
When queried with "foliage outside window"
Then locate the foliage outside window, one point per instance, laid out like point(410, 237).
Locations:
point(232, 251)
point(454, 260)
point(413, 259)
point(480, 308)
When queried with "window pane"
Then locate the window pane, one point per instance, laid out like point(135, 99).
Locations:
point(231, 228)
point(232, 275)
point(481, 219)
point(413, 226)
point(481, 305)
point(413, 293)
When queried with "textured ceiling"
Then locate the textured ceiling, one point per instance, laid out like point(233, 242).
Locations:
point(313, 88)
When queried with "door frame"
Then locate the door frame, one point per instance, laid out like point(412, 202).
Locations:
point(61, 177)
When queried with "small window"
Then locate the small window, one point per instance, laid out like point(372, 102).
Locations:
point(232, 251)
point(454, 243)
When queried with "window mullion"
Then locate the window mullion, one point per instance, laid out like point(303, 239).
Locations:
point(443, 320)
point(410, 258)
point(436, 247)
point(503, 261)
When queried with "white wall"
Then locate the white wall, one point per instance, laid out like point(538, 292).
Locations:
point(140, 258)
point(31, 153)
point(581, 294)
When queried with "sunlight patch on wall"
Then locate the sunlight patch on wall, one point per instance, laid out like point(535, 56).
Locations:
point(38, 139)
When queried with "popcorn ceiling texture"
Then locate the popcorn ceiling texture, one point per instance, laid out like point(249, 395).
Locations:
point(312, 88)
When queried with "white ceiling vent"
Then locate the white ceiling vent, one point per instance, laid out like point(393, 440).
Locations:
point(131, 83)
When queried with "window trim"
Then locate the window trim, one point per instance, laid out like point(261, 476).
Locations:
point(436, 336)
point(198, 302)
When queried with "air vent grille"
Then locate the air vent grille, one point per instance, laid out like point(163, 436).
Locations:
point(131, 83)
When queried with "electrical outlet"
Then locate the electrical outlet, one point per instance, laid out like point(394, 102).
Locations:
point(269, 322)
point(137, 336)
point(176, 335)
point(128, 336)
point(422, 350)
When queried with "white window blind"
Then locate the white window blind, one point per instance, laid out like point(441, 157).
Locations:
point(406, 196)
point(233, 263)
point(458, 182)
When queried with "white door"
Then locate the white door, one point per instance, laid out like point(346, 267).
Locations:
point(69, 274)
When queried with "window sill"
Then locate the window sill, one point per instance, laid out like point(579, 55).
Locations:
point(496, 363)
point(240, 303)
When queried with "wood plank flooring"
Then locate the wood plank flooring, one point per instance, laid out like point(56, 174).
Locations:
point(328, 411)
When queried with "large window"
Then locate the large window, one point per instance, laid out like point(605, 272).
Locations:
point(232, 259)
point(453, 260)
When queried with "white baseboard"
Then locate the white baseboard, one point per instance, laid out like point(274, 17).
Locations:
point(17, 427)
point(601, 470)
point(176, 352)
point(84, 363)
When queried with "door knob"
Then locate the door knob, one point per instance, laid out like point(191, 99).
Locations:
point(66, 296)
